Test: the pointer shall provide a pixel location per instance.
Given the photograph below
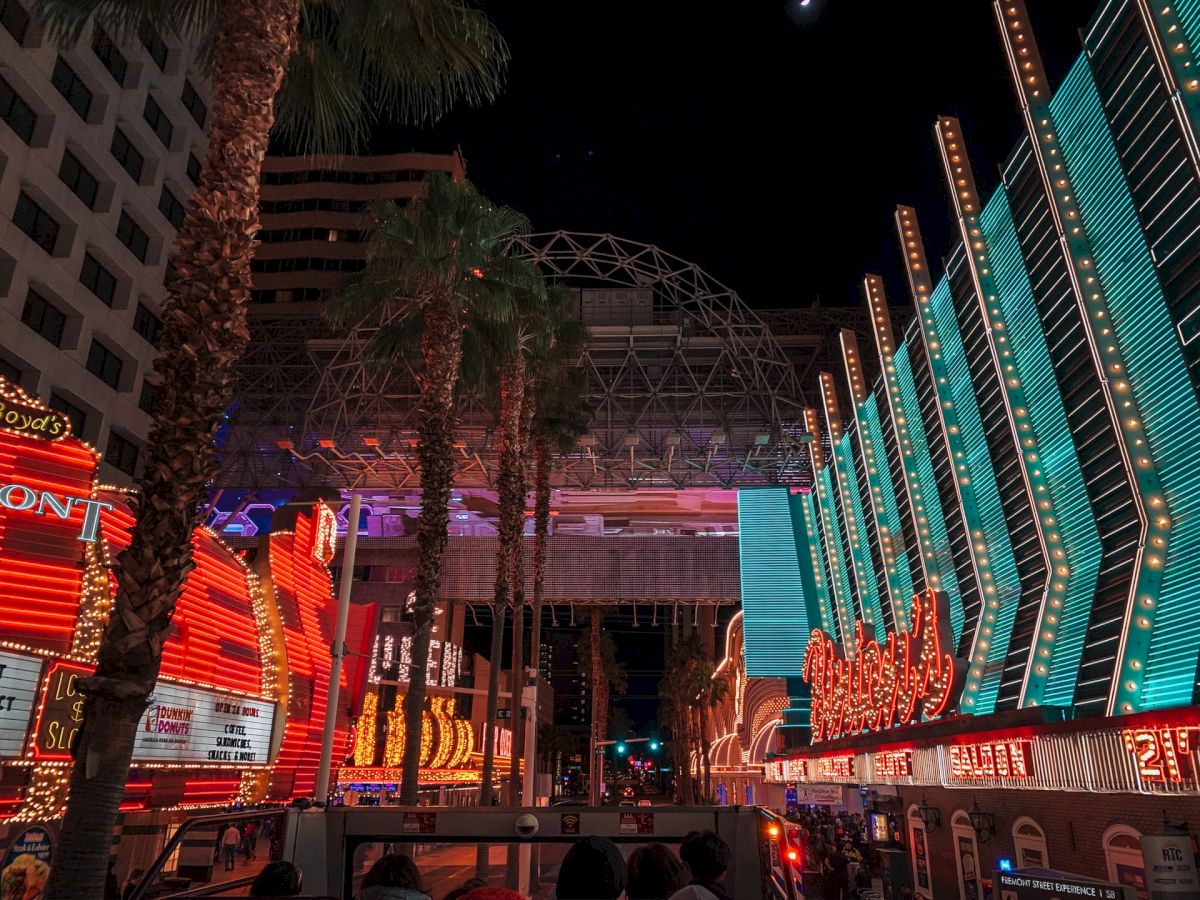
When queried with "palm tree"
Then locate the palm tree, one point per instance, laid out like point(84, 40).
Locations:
point(335, 65)
point(688, 693)
point(712, 694)
point(434, 269)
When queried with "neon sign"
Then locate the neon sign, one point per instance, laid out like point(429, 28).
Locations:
point(835, 767)
point(32, 421)
point(1162, 754)
point(893, 764)
point(911, 676)
point(998, 759)
point(20, 498)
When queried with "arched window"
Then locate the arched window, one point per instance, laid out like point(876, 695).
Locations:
point(918, 843)
point(1123, 853)
point(966, 856)
point(1030, 843)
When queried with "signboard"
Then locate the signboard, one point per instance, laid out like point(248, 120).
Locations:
point(1170, 866)
point(893, 764)
point(32, 421)
point(419, 823)
point(1045, 884)
point(27, 864)
point(838, 768)
point(819, 794)
point(637, 823)
point(19, 680)
point(190, 724)
point(1162, 754)
point(182, 724)
point(911, 676)
point(1012, 760)
point(569, 823)
point(22, 498)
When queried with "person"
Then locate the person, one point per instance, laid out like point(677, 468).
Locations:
point(465, 888)
point(837, 875)
point(593, 869)
point(393, 877)
point(131, 883)
point(277, 879)
point(654, 873)
point(250, 840)
point(492, 893)
point(112, 886)
point(231, 838)
point(707, 857)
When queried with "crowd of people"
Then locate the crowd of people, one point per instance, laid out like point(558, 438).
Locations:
point(837, 857)
point(593, 869)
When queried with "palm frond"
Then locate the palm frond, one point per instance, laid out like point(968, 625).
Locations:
point(67, 21)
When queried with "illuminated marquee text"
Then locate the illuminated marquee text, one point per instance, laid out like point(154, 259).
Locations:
point(981, 762)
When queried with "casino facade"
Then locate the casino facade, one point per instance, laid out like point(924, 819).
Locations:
point(987, 609)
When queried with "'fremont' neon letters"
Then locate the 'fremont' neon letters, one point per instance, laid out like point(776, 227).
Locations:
point(20, 498)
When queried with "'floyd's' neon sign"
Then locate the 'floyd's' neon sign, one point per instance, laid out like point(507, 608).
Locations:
point(20, 498)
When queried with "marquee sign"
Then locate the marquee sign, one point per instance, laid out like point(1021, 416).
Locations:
point(1011, 760)
point(19, 675)
point(893, 764)
point(23, 498)
point(1162, 754)
point(31, 420)
point(911, 676)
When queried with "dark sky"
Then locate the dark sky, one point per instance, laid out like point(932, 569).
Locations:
point(768, 152)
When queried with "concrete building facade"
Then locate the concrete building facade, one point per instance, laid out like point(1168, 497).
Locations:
point(100, 149)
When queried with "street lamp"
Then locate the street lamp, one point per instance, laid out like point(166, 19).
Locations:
point(984, 823)
point(930, 816)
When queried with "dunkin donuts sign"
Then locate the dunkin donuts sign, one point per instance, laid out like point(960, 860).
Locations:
point(185, 724)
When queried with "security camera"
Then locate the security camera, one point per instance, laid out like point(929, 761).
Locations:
point(526, 825)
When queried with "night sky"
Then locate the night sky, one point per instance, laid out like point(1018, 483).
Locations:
point(769, 152)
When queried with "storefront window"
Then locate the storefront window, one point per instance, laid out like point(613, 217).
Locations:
point(919, 845)
point(966, 857)
point(1030, 843)
point(1123, 853)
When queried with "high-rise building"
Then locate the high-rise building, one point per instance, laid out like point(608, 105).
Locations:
point(1003, 530)
point(100, 149)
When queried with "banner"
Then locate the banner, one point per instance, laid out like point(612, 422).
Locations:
point(1170, 867)
point(19, 676)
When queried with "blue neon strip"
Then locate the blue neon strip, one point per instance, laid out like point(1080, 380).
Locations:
point(891, 515)
point(810, 551)
point(1157, 376)
point(868, 587)
point(934, 514)
point(1058, 459)
point(833, 547)
point(987, 495)
point(776, 621)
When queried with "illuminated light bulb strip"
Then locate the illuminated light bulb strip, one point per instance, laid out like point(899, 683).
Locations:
point(848, 499)
point(960, 179)
point(881, 320)
point(898, 592)
point(839, 586)
point(815, 527)
point(444, 741)
point(364, 737)
point(921, 286)
point(1177, 62)
point(46, 794)
point(1033, 91)
point(824, 604)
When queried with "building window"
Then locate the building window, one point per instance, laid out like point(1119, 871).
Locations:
point(1029, 840)
point(112, 58)
point(122, 453)
point(75, 415)
point(73, 174)
point(1123, 852)
point(193, 104)
point(10, 373)
point(133, 236)
point(193, 169)
point(71, 86)
point(148, 399)
point(169, 206)
point(918, 843)
point(16, 112)
point(127, 155)
point(40, 315)
point(35, 222)
point(98, 279)
point(105, 364)
point(147, 324)
point(155, 46)
point(158, 121)
point(15, 19)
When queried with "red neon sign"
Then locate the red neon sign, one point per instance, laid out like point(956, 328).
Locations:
point(835, 767)
point(893, 764)
point(911, 676)
point(1162, 754)
point(998, 759)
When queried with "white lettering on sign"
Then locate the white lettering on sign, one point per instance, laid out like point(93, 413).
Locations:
point(19, 677)
point(196, 725)
point(20, 498)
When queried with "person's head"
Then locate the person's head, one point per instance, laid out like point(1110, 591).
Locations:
point(492, 893)
point(394, 870)
point(706, 856)
point(277, 879)
point(592, 870)
point(654, 872)
point(136, 875)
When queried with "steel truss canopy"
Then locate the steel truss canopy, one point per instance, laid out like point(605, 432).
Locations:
point(688, 386)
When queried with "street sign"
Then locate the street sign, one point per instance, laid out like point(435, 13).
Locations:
point(504, 713)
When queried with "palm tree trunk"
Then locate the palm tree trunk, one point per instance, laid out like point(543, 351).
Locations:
point(519, 397)
point(204, 336)
point(487, 775)
point(705, 745)
point(541, 527)
point(441, 349)
point(597, 767)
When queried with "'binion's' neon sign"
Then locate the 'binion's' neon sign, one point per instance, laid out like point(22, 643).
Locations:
point(20, 498)
point(909, 677)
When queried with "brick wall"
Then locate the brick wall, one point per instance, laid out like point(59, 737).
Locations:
point(1074, 824)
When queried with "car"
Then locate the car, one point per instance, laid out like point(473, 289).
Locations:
point(628, 803)
point(644, 803)
point(570, 801)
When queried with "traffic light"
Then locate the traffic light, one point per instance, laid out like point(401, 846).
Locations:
point(622, 749)
point(653, 746)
